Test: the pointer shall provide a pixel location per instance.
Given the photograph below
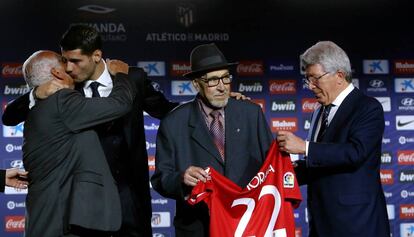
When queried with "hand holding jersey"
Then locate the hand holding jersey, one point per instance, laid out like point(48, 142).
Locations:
point(194, 174)
point(263, 208)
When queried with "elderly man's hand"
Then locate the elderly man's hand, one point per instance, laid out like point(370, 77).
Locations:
point(194, 174)
point(239, 96)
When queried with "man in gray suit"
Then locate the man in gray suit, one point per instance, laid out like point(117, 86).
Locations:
point(213, 130)
point(71, 189)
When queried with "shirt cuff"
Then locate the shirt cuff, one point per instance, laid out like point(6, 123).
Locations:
point(307, 148)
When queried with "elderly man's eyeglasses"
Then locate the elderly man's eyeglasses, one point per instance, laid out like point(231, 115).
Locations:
point(313, 79)
point(214, 81)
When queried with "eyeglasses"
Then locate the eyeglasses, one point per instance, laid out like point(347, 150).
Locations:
point(313, 79)
point(214, 81)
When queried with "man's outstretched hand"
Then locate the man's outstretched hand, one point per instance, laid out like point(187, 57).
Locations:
point(16, 178)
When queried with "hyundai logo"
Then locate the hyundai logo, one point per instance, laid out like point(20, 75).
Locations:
point(376, 83)
point(407, 101)
point(17, 164)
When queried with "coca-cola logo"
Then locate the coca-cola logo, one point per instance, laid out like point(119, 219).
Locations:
point(406, 157)
point(282, 86)
point(11, 70)
point(14, 223)
point(250, 68)
point(309, 105)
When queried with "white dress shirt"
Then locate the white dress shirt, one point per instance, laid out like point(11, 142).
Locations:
point(105, 86)
point(335, 105)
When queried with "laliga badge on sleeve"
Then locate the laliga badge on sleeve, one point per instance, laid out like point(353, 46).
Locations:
point(288, 180)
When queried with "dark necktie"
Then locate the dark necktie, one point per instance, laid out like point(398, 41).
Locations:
point(217, 131)
point(94, 87)
point(324, 121)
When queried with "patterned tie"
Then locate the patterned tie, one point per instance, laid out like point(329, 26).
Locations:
point(324, 121)
point(94, 87)
point(217, 131)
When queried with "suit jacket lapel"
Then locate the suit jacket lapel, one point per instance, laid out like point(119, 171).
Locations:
point(314, 124)
point(79, 87)
point(200, 133)
point(233, 128)
point(342, 114)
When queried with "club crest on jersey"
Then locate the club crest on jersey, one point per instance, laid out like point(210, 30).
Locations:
point(288, 180)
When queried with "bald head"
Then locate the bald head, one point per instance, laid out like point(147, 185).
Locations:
point(37, 68)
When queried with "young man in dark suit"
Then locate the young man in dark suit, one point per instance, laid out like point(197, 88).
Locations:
point(71, 189)
point(342, 152)
point(13, 178)
point(234, 141)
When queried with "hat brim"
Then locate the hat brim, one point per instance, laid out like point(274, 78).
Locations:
point(193, 74)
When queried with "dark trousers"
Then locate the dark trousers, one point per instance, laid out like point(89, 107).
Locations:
point(76, 231)
point(129, 227)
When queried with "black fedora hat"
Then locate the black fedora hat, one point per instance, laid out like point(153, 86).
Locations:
point(205, 58)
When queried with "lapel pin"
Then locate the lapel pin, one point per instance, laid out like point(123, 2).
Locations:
point(238, 130)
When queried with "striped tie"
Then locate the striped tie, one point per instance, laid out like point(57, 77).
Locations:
point(324, 121)
point(217, 132)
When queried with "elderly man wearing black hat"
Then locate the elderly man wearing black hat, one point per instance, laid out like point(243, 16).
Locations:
point(232, 136)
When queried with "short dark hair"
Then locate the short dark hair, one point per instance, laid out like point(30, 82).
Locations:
point(81, 37)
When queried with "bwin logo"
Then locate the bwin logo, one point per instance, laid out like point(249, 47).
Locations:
point(407, 101)
point(280, 106)
point(376, 83)
point(250, 87)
